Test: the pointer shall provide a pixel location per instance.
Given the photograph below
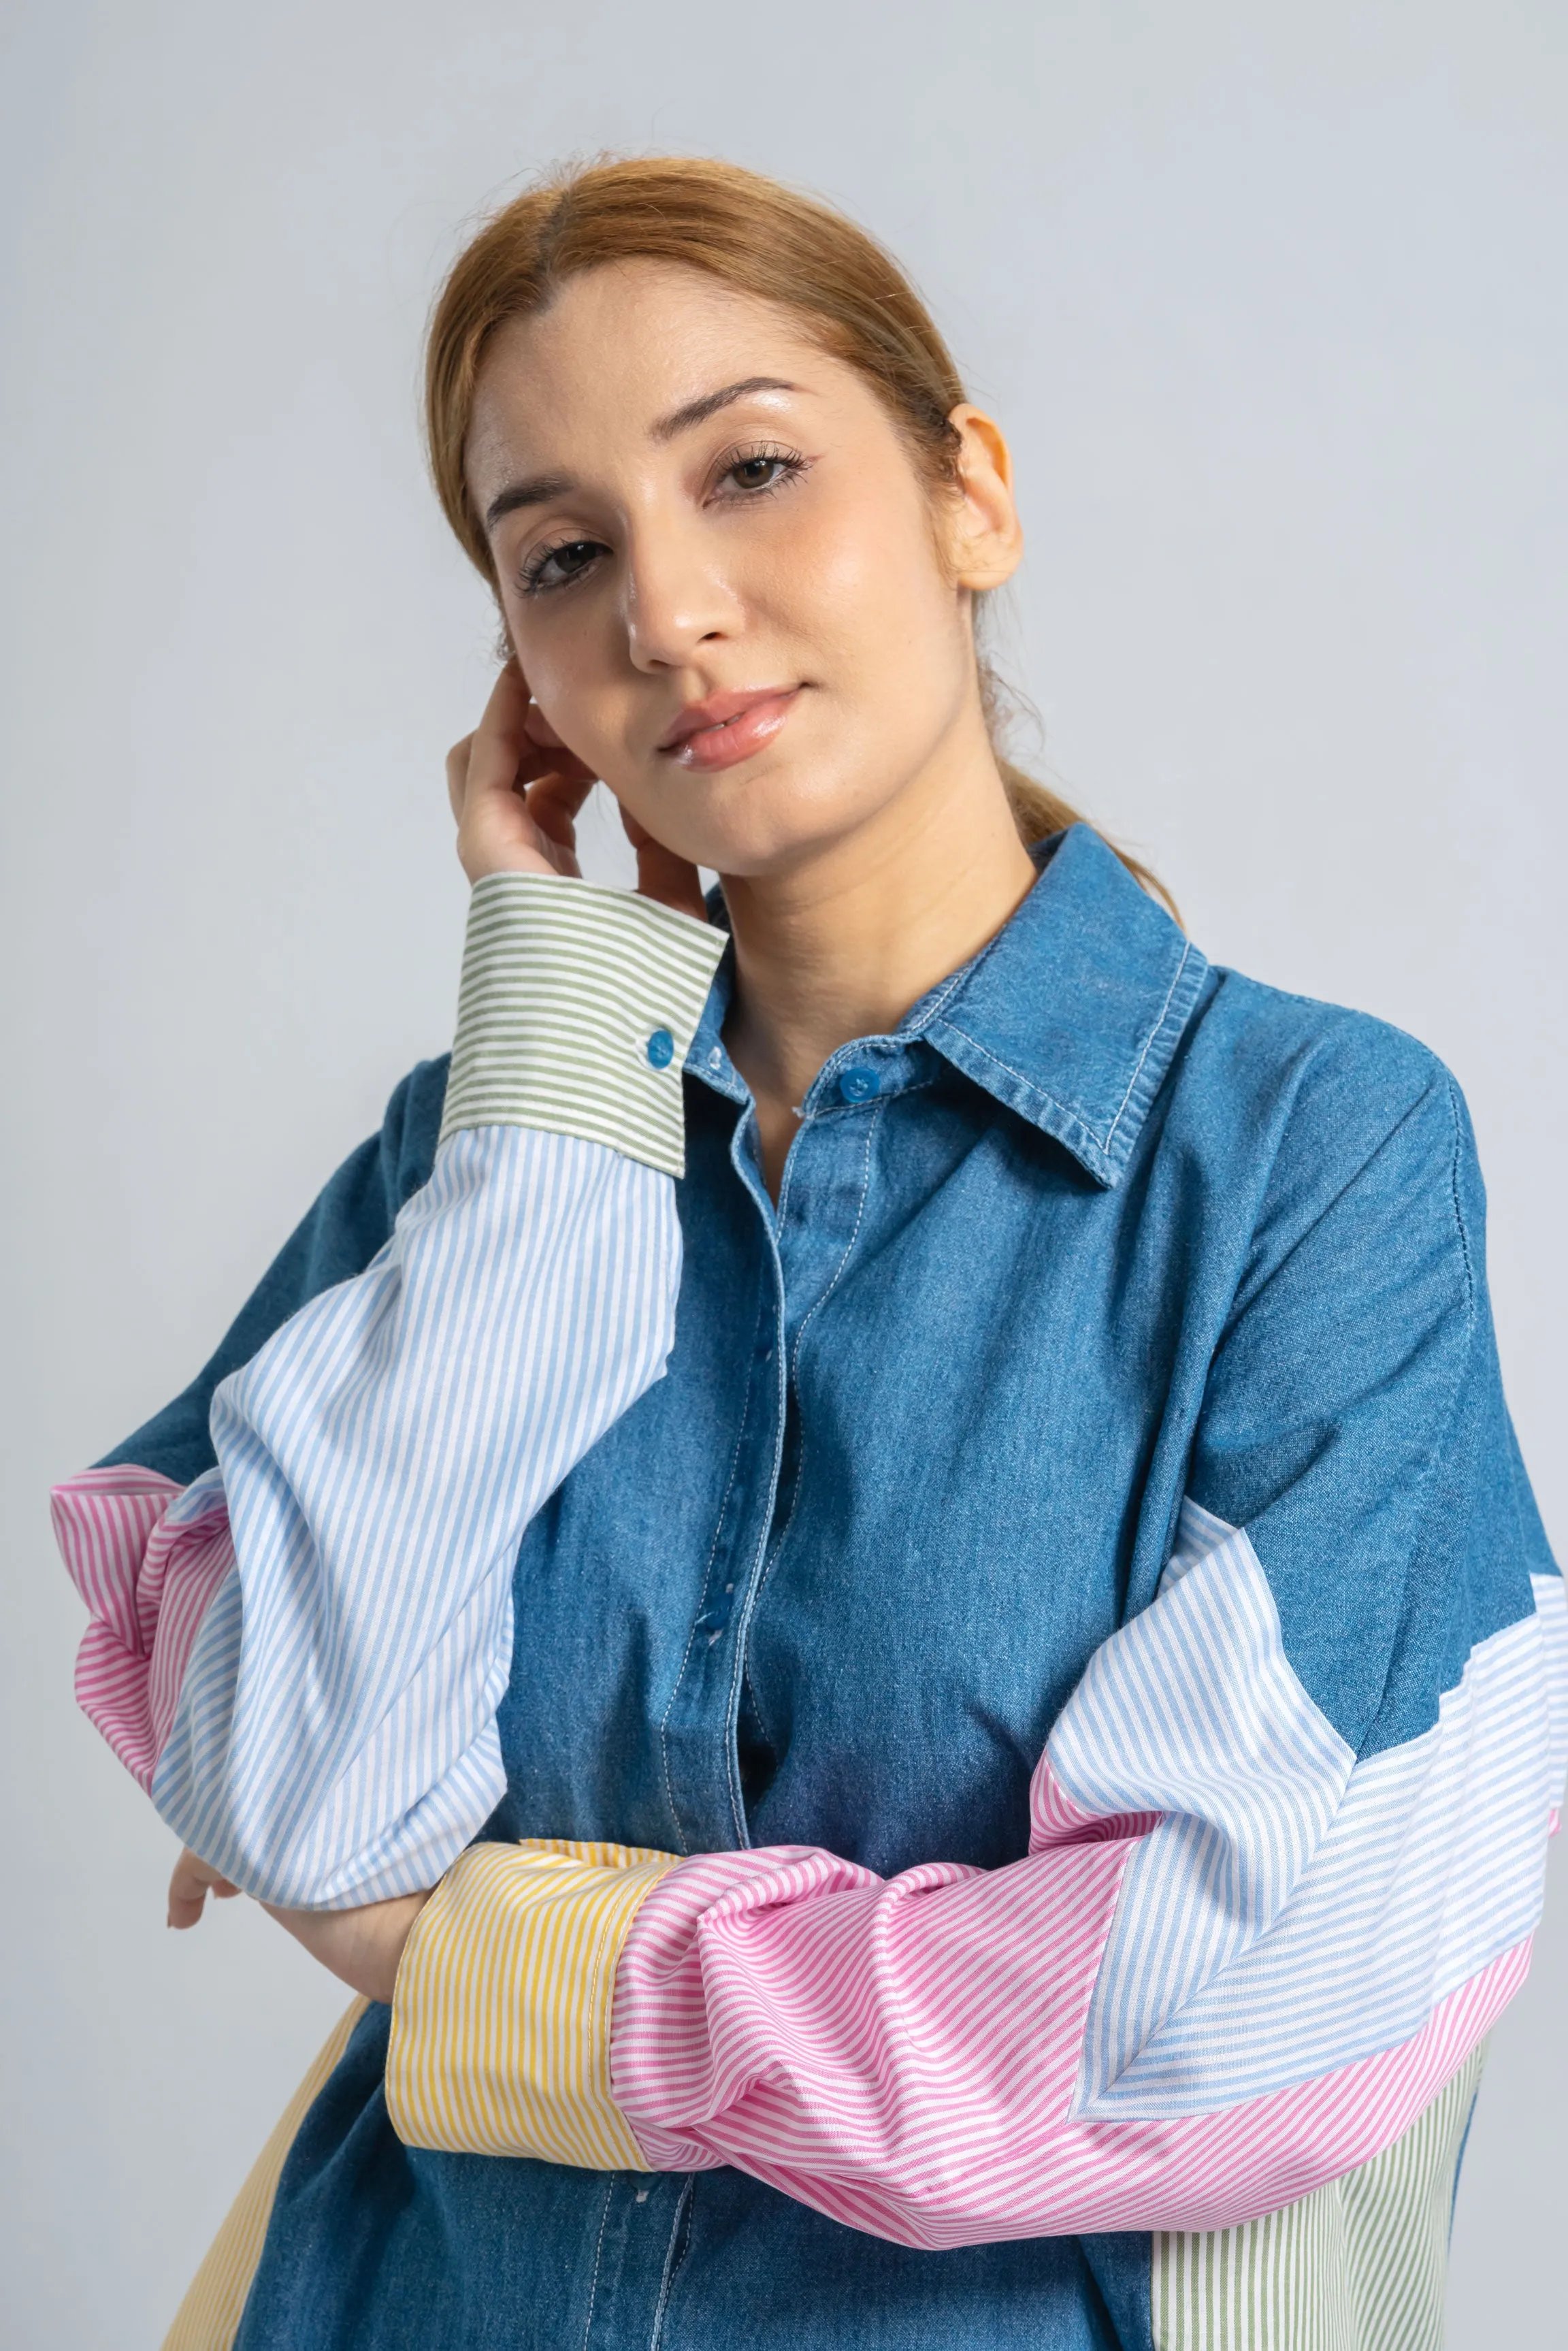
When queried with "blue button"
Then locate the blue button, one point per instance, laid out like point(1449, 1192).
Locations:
point(661, 1049)
point(859, 1084)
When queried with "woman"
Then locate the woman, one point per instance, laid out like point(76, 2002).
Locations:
point(869, 1575)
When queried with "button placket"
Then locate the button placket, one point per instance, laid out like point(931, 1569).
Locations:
point(699, 1798)
point(799, 1237)
point(830, 1159)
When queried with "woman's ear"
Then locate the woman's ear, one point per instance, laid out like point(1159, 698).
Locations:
point(985, 535)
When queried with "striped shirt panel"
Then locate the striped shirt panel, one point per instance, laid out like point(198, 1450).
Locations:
point(577, 1011)
point(335, 1741)
point(1287, 1881)
point(909, 2055)
point(1359, 2265)
point(500, 2041)
point(301, 1654)
point(901, 2056)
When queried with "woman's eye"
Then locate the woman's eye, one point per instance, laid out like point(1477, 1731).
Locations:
point(764, 469)
point(557, 567)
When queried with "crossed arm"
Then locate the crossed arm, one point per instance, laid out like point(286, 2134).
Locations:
point(1242, 1950)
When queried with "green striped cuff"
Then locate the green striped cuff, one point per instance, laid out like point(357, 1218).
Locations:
point(577, 1009)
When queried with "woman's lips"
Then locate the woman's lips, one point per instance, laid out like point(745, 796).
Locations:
point(729, 729)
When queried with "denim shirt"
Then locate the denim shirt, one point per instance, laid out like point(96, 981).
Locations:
point(1097, 1230)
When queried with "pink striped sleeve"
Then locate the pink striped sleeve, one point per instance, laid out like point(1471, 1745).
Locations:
point(1234, 1963)
point(904, 2055)
point(147, 1556)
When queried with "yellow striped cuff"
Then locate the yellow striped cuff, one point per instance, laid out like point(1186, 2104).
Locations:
point(500, 2030)
point(576, 1012)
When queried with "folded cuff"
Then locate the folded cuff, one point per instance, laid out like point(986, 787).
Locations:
point(577, 1009)
point(501, 2019)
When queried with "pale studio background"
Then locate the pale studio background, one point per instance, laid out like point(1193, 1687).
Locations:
point(1272, 301)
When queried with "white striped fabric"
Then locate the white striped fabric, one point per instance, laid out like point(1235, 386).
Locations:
point(335, 1742)
point(1552, 1608)
point(1192, 1710)
point(908, 2056)
point(335, 1738)
point(1432, 1866)
point(1263, 1958)
point(1294, 1911)
point(1199, 1532)
point(578, 1008)
point(1359, 2265)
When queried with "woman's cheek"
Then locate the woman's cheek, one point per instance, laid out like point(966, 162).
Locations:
point(868, 585)
point(575, 698)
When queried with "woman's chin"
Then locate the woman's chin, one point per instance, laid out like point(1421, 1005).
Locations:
point(757, 819)
point(758, 852)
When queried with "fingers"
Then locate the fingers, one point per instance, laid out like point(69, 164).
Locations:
point(516, 791)
point(488, 780)
point(499, 744)
point(192, 1882)
point(457, 774)
point(495, 747)
point(555, 801)
point(185, 1910)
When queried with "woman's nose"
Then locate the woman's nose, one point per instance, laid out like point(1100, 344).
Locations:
point(677, 598)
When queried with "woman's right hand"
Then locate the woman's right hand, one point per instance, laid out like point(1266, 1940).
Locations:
point(515, 789)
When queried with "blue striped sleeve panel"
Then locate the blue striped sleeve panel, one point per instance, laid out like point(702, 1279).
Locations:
point(335, 1738)
point(1297, 1910)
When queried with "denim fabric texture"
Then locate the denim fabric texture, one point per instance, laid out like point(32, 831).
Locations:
point(1098, 1226)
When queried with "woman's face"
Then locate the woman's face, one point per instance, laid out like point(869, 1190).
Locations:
point(726, 584)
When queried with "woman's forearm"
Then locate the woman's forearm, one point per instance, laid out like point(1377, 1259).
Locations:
point(1235, 1964)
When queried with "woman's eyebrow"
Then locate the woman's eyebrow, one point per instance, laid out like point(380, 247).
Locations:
point(537, 491)
point(540, 488)
point(697, 412)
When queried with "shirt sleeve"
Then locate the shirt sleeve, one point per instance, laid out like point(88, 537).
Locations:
point(1288, 1834)
point(300, 1652)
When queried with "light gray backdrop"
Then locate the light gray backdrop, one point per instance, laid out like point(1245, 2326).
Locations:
point(1270, 300)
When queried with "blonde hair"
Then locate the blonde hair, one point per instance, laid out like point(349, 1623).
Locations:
point(760, 237)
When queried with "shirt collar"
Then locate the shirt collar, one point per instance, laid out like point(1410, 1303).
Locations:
point(1070, 1015)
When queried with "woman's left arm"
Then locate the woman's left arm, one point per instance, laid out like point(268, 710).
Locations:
point(1288, 1834)
point(300, 1654)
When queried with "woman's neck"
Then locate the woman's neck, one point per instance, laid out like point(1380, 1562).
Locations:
point(842, 946)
